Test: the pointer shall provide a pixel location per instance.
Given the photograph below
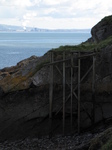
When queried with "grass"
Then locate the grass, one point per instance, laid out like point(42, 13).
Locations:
point(80, 47)
point(108, 145)
point(85, 46)
point(105, 43)
point(103, 141)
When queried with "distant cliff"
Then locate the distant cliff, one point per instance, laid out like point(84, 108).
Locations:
point(12, 28)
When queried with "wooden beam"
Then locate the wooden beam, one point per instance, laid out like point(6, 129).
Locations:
point(84, 56)
point(71, 90)
point(82, 105)
point(66, 81)
point(93, 90)
point(50, 94)
point(63, 93)
point(72, 66)
point(75, 86)
point(84, 77)
point(81, 51)
point(62, 106)
point(68, 59)
point(111, 65)
point(79, 94)
point(51, 86)
point(56, 62)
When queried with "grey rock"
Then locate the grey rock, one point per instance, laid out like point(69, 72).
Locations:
point(102, 30)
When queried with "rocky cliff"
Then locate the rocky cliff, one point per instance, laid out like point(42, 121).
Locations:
point(24, 88)
point(102, 29)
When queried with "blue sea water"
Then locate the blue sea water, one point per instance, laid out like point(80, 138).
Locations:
point(16, 46)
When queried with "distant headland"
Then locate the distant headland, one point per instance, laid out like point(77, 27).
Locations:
point(11, 28)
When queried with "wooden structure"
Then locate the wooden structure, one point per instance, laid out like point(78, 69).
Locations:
point(77, 56)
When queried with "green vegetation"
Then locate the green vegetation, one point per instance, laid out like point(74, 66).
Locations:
point(108, 145)
point(80, 47)
point(39, 66)
point(105, 43)
point(85, 46)
point(103, 141)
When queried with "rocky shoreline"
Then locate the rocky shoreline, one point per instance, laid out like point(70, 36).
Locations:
point(74, 142)
point(93, 139)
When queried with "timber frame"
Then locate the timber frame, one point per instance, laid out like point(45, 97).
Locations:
point(53, 65)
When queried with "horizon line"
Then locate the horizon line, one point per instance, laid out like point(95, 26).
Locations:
point(47, 28)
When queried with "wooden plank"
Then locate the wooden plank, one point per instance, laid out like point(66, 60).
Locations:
point(51, 86)
point(72, 66)
point(50, 95)
point(75, 86)
point(111, 65)
point(84, 56)
point(59, 70)
point(71, 90)
point(56, 62)
point(72, 51)
point(62, 106)
point(84, 76)
point(86, 111)
point(66, 81)
point(63, 93)
point(79, 94)
point(61, 61)
point(93, 91)
point(86, 73)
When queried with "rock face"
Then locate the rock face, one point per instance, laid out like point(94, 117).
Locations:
point(102, 30)
point(22, 75)
point(24, 93)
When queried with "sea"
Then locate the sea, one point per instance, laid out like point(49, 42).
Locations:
point(16, 46)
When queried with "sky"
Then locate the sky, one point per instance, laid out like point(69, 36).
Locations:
point(54, 14)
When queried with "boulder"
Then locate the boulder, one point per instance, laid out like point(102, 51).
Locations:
point(20, 77)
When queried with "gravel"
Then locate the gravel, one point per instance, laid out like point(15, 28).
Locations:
point(74, 142)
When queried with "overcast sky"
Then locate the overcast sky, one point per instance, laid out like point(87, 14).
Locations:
point(54, 14)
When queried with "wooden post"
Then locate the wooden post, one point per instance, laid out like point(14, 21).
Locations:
point(93, 91)
point(79, 94)
point(51, 92)
point(111, 65)
point(71, 90)
point(63, 93)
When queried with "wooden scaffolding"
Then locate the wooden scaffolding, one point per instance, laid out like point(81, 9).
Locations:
point(53, 65)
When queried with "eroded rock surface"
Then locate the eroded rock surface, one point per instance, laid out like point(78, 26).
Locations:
point(102, 30)
point(21, 76)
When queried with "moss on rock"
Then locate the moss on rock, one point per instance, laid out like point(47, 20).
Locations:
point(102, 141)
